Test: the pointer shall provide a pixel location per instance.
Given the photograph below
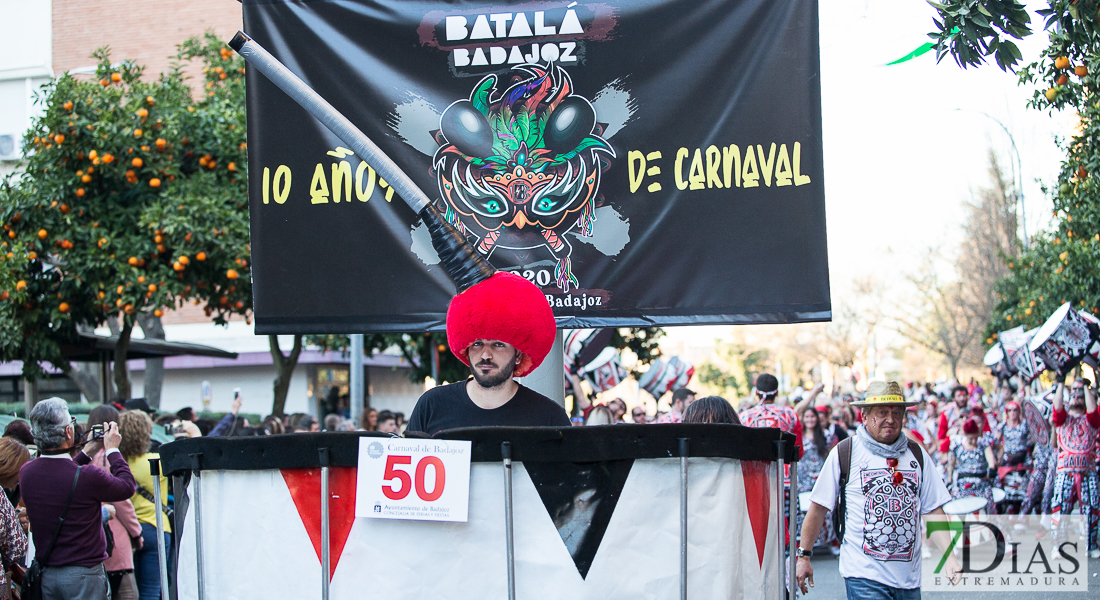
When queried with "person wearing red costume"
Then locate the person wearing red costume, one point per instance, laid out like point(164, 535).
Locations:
point(767, 414)
point(1075, 479)
point(951, 418)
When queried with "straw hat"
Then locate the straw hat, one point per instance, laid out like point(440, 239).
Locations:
point(883, 393)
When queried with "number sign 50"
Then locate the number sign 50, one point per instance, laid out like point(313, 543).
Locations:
point(393, 471)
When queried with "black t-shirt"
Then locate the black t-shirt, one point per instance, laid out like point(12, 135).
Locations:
point(449, 406)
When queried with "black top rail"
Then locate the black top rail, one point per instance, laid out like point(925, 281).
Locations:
point(535, 444)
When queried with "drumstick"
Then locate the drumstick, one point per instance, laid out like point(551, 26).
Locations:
point(464, 265)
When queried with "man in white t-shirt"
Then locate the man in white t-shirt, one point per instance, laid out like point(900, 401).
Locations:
point(885, 496)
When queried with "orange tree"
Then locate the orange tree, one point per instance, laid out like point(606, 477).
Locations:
point(131, 201)
point(1061, 264)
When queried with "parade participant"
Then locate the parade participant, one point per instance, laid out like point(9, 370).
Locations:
point(502, 328)
point(638, 415)
point(951, 417)
point(681, 398)
point(72, 550)
point(882, 467)
point(969, 464)
point(711, 409)
point(1012, 435)
point(618, 410)
point(1075, 478)
point(767, 414)
point(817, 442)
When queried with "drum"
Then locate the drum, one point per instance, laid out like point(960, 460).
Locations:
point(1092, 357)
point(967, 505)
point(998, 495)
point(605, 371)
point(1021, 360)
point(1037, 411)
point(995, 355)
point(804, 502)
point(970, 508)
point(1063, 340)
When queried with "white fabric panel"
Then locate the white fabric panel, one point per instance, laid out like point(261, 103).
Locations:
point(257, 547)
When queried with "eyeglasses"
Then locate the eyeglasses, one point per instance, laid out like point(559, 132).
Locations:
point(895, 475)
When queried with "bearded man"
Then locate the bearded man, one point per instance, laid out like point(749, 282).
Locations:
point(502, 330)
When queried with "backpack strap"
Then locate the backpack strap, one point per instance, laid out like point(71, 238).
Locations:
point(844, 454)
point(61, 519)
point(915, 448)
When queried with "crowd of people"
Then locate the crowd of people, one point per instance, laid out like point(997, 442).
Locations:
point(95, 528)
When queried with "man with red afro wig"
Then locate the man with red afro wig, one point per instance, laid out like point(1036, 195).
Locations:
point(502, 328)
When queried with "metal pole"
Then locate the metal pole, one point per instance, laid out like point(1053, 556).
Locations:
point(355, 379)
point(683, 518)
point(162, 556)
point(780, 446)
point(196, 464)
point(325, 551)
point(791, 520)
point(506, 453)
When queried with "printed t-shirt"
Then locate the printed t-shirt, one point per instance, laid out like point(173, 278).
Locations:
point(882, 526)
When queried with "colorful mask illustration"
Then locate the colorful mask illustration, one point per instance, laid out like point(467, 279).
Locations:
point(519, 168)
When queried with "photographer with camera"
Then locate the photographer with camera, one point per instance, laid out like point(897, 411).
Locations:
point(64, 497)
point(122, 529)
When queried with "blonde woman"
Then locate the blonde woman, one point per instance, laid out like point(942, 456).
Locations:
point(136, 428)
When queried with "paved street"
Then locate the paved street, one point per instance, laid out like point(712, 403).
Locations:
point(830, 586)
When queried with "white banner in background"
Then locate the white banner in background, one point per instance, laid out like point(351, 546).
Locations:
point(420, 480)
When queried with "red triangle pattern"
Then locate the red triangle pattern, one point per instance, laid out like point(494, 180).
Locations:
point(758, 501)
point(305, 490)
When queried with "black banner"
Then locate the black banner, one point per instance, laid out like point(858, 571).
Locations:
point(643, 162)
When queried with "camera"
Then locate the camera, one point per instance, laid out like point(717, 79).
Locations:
point(96, 432)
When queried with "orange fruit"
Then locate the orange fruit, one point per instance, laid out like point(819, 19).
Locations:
point(80, 192)
point(141, 279)
point(154, 182)
point(239, 304)
point(161, 143)
point(158, 239)
point(133, 261)
point(1062, 62)
point(119, 289)
point(232, 274)
point(58, 138)
point(32, 255)
point(152, 287)
point(21, 285)
point(42, 233)
point(115, 77)
point(183, 260)
point(200, 256)
point(138, 133)
point(1063, 79)
point(222, 76)
point(65, 207)
point(160, 248)
point(101, 242)
point(142, 112)
point(92, 155)
point(1080, 70)
point(104, 82)
point(108, 158)
point(1082, 173)
point(137, 162)
point(232, 166)
point(1051, 94)
point(85, 178)
point(149, 100)
point(68, 105)
point(158, 313)
point(63, 307)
